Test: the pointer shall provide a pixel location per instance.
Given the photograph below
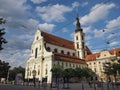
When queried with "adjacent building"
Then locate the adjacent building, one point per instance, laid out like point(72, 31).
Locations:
point(96, 61)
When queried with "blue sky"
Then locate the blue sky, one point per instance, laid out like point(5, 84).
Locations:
point(58, 17)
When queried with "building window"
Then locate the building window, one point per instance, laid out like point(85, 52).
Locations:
point(82, 44)
point(36, 51)
point(48, 49)
point(38, 72)
point(77, 45)
point(76, 37)
point(70, 65)
point(73, 65)
point(78, 53)
point(68, 53)
point(82, 37)
point(37, 38)
point(94, 63)
point(55, 50)
point(66, 64)
point(73, 54)
point(89, 63)
point(62, 52)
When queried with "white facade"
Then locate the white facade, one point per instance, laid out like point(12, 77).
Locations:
point(43, 52)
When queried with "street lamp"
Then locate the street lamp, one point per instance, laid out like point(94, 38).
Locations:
point(28, 75)
point(34, 74)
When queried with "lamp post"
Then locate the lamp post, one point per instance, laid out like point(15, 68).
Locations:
point(34, 74)
point(28, 75)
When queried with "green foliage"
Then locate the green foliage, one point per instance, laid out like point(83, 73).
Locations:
point(15, 71)
point(57, 71)
point(4, 67)
point(68, 73)
point(112, 67)
point(2, 32)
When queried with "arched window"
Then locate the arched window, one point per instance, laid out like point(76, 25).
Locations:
point(68, 53)
point(36, 51)
point(55, 50)
point(37, 38)
point(73, 54)
point(48, 49)
point(76, 37)
point(62, 51)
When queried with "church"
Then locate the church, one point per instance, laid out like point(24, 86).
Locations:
point(48, 50)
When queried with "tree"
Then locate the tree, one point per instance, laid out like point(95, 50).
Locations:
point(2, 32)
point(4, 69)
point(87, 73)
point(67, 74)
point(13, 72)
point(56, 73)
point(112, 68)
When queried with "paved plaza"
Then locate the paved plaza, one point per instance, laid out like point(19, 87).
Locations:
point(73, 86)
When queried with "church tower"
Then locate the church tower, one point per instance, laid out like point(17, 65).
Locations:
point(79, 40)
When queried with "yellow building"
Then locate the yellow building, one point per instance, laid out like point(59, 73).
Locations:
point(96, 61)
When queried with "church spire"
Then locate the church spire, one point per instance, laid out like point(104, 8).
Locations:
point(77, 23)
point(78, 26)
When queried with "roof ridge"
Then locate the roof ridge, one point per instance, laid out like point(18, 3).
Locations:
point(57, 36)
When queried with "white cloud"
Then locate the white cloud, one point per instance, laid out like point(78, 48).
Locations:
point(87, 29)
point(97, 13)
point(46, 27)
point(98, 33)
point(113, 43)
point(38, 1)
point(53, 12)
point(13, 8)
point(65, 30)
point(84, 4)
point(88, 37)
point(113, 24)
point(32, 23)
point(75, 4)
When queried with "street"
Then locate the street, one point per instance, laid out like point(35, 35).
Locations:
point(73, 86)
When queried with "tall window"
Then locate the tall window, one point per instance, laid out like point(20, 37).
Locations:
point(76, 37)
point(82, 37)
point(73, 54)
point(77, 45)
point(55, 50)
point(68, 53)
point(62, 52)
point(37, 38)
point(36, 51)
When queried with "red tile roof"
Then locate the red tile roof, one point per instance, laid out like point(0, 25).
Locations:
point(57, 41)
point(67, 58)
point(93, 56)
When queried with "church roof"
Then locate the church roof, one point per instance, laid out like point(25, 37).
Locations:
point(95, 55)
point(68, 58)
point(52, 39)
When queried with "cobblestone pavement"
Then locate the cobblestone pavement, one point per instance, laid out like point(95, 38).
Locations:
point(73, 86)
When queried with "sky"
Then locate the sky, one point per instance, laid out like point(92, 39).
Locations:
point(100, 21)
